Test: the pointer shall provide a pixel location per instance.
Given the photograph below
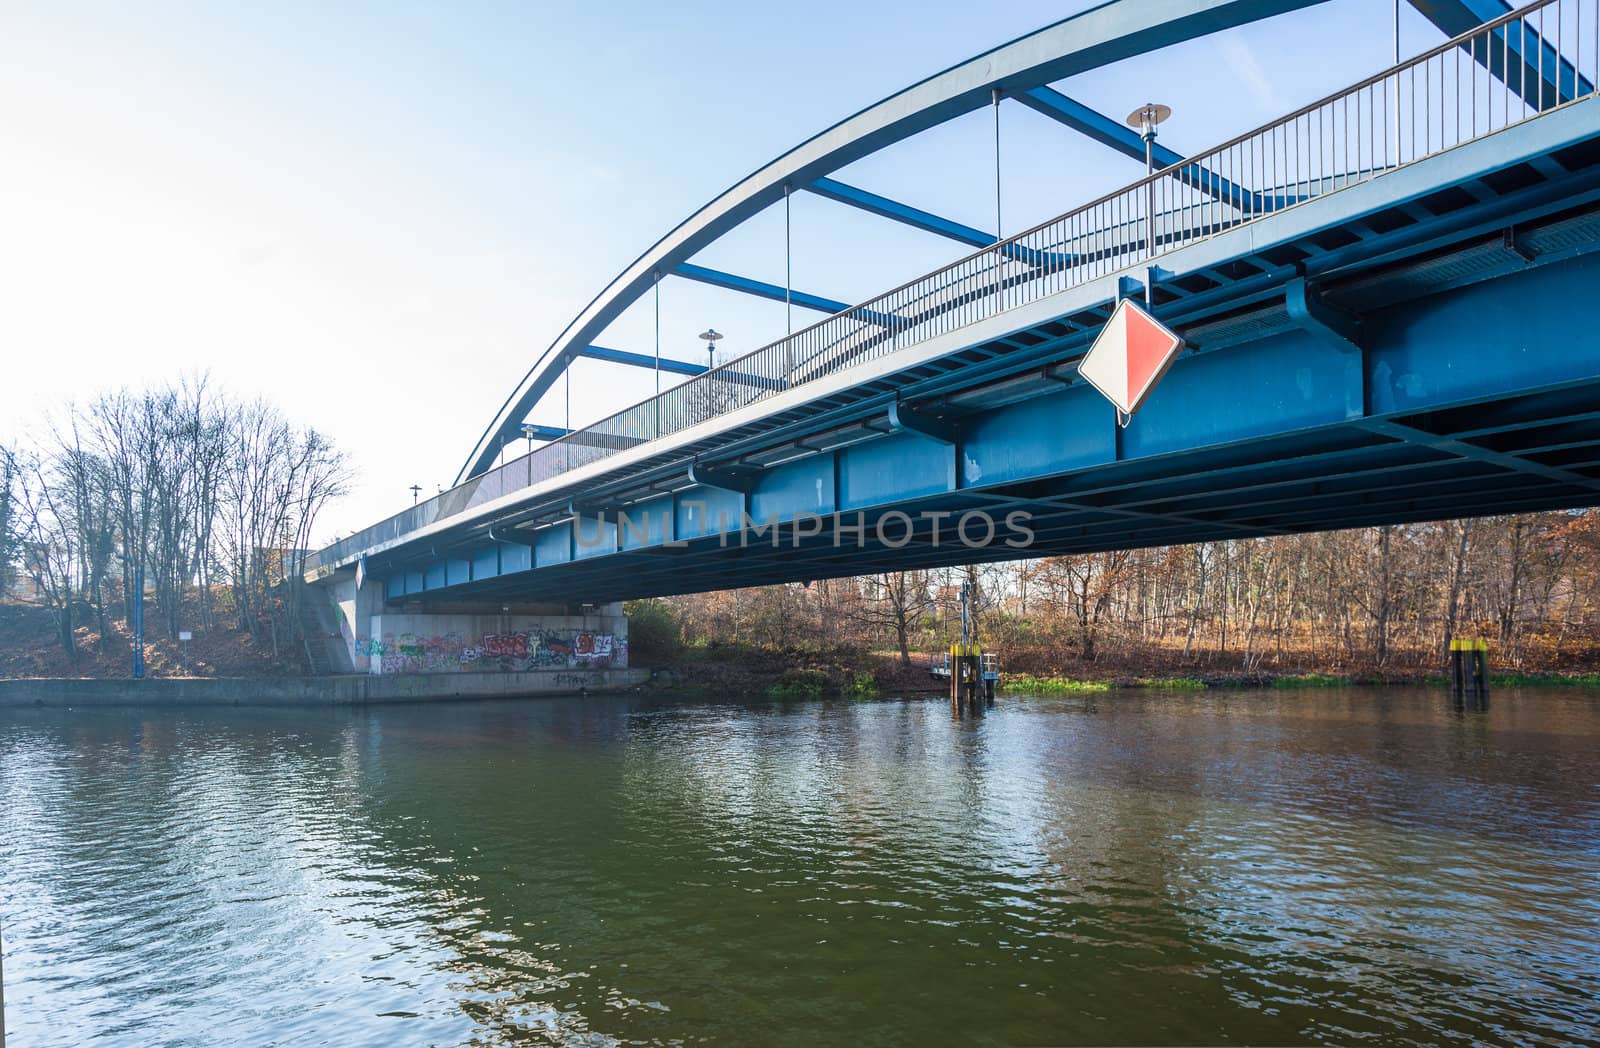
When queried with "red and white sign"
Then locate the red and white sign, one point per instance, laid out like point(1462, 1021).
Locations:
point(1129, 356)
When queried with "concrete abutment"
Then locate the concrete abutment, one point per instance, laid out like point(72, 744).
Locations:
point(382, 639)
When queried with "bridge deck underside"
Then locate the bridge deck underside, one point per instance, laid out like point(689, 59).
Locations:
point(1449, 368)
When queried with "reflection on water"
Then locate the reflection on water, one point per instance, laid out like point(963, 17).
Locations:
point(1215, 868)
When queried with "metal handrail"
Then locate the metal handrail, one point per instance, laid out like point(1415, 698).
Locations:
point(1415, 110)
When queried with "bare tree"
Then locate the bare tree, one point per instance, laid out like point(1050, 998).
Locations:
point(1461, 533)
point(9, 518)
point(898, 601)
point(49, 552)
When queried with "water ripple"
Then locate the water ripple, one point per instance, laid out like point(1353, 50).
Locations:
point(1216, 868)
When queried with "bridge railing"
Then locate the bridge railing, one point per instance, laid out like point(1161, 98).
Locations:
point(1527, 62)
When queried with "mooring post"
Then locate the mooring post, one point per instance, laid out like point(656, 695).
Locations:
point(1469, 672)
point(1480, 673)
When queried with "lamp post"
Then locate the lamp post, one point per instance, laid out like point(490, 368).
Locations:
point(1145, 120)
point(528, 430)
point(711, 336)
point(416, 490)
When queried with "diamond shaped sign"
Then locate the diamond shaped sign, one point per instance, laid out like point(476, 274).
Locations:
point(1129, 356)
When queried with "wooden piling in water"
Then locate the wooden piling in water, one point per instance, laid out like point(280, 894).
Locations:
point(1469, 672)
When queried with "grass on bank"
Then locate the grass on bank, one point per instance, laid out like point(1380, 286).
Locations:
point(1554, 680)
point(1311, 680)
point(814, 684)
point(1031, 685)
point(860, 686)
point(799, 684)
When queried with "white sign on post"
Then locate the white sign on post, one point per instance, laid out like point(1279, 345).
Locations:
point(1129, 356)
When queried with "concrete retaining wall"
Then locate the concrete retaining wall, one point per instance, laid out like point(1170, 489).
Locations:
point(313, 691)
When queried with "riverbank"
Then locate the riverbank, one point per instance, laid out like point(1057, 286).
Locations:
point(347, 690)
point(30, 647)
point(841, 673)
point(1026, 684)
point(792, 673)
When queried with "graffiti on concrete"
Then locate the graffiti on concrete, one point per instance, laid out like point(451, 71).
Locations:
point(578, 681)
point(506, 645)
point(538, 648)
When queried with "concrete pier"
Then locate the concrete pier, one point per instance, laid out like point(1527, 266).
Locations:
point(369, 635)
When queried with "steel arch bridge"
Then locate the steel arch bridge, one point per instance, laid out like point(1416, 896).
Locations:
point(1416, 224)
point(1019, 72)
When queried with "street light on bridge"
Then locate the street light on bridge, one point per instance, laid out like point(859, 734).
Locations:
point(711, 335)
point(1145, 120)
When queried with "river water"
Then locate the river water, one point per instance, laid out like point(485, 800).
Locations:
point(1133, 868)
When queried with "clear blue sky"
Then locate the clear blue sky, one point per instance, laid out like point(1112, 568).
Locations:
point(377, 214)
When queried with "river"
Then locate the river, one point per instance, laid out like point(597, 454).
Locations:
point(1126, 868)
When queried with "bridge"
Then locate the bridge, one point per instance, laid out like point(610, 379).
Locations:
point(1386, 296)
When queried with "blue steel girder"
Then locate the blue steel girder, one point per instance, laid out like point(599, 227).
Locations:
point(882, 206)
point(1340, 329)
point(641, 360)
point(1536, 74)
point(916, 218)
point(1126, 140)
point(1085, 41)
point(1094, 125)
point(762, 289)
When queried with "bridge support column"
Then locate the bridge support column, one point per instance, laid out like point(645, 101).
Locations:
point(356, 607)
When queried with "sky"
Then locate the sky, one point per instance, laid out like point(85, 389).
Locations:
point(377, 215)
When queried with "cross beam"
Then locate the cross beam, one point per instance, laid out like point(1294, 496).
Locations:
point(640, 360)
point(1520, 58)
point(883, 207)
point(762, 289)
point(1126, 140)
point(1477, 453)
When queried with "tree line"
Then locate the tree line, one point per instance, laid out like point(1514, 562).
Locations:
point(208, 498)
point(1378, 598)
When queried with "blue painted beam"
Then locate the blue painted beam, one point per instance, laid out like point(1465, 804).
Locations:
point(640, 360)
point(741, 482)
point(902, 419)
point(759, 288)
point(882, 206)
point(1126, 140)
point(581, 437)
point(538, 432)
point(919, 219)
point(762, 289)
point(1094, 125)
point(1537, 74)
point(1306, 308)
